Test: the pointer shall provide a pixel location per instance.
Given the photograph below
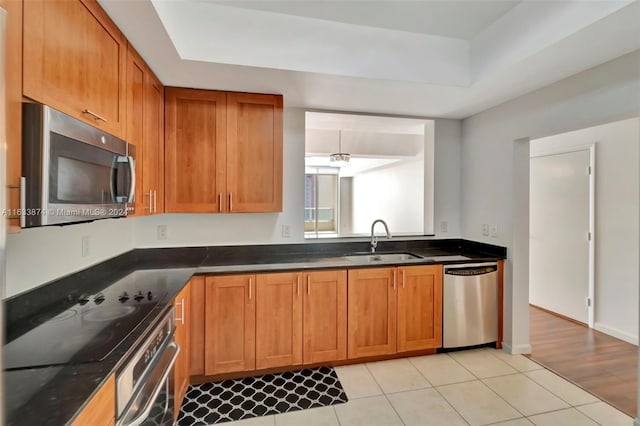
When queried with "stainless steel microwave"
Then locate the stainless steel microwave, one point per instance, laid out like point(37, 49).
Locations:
point(72, 172)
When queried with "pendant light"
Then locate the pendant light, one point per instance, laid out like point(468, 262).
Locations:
point(339, 159)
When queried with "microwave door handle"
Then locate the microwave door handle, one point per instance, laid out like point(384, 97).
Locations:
point(132, 176)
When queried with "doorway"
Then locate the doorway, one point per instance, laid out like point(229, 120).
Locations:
point(561, 232)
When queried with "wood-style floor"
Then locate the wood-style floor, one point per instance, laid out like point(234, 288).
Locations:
point(602, 365)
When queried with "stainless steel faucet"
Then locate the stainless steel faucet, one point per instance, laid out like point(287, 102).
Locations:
point(374, 241)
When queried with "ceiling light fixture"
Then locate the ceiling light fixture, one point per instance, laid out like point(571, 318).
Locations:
point(339, 159)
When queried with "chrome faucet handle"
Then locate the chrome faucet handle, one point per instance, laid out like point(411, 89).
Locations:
point(374, 244)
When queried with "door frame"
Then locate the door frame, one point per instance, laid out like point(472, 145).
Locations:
point(592, 211)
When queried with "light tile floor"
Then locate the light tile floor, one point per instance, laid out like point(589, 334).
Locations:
point(475, 387)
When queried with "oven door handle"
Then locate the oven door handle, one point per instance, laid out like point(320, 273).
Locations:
point(144, 413)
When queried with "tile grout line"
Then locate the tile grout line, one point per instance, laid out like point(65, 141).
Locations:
point(558, 396)
point(366, 365)
point(441, 395)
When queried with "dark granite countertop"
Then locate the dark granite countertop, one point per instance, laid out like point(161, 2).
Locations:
point(55, 395)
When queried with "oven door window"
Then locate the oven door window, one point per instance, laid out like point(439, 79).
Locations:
point(80, 173)
point(152, 404)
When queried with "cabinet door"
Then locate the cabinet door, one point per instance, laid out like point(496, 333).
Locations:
point(182, 339)
point(136, 71)
point(195, 151)
point(230, 320)
point(196, 326)
point(13, 116)
point(278, 320)
point(74, 60)
point(371, 312)
point(325, 316)
point(254, 152)
point(152, 195)
point(419, 308)
point(101, 410)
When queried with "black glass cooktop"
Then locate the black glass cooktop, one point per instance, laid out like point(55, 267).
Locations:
point(90, 329)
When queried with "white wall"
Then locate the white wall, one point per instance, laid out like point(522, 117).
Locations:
point(384, 193)
point(495, 168)
point(617, 220)
point(217, 229)
point(38, 255)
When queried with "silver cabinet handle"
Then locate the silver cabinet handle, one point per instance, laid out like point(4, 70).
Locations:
point(155, 201)
point(298, 285)
point(308, 284)
point(94, 115)
point(403, 278)
point(181, 317)
point(230, 201)
point(249, 288)
point(219, 202)
point(394, 279)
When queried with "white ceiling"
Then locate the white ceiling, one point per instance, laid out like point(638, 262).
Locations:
point(423, 59)
point(457, 19)
point(365, 123)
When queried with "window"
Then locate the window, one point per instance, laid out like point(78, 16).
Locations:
point(320, 203)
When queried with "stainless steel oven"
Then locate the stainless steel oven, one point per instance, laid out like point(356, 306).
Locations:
point(144, 386)
point(72, 172)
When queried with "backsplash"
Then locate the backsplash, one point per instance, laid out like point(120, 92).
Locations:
point(38, 255)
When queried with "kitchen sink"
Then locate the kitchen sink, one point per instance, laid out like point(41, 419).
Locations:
point(381, 257)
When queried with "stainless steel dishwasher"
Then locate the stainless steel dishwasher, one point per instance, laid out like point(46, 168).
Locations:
point(470, 304)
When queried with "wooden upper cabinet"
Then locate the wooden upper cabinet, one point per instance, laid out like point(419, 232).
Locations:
point(230, 321)
point(223, 152)
point(136, 70)
point(371, 312)
point(195, 150)
point(152, 195)
point(13, 105)
point(254, 152)
point(101, 409)
point(75, 61)
point(419, 307)
point(278, 320)
point(325, 316)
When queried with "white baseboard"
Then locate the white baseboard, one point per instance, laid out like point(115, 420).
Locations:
point(618, 334)
point(517, 349)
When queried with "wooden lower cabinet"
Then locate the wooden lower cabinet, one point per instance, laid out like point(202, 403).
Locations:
point(196, 328)
point(230, 324)
point(419, 307)
point(181, 337)
point(371, 312)
point(324, 316)
point(101, 409)
point(278, 320)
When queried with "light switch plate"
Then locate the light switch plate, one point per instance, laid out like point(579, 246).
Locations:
point(494, 230)
point(485, 229)
point(286, 231)
point(444, 226)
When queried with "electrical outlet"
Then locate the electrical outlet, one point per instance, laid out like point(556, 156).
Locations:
point(85, 244)
point(286, 231)
point(162, 232)
point(485, 229)
point(444, 226)
point(494, 231)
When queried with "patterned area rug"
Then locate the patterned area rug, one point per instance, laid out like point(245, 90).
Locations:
point(212, 403)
